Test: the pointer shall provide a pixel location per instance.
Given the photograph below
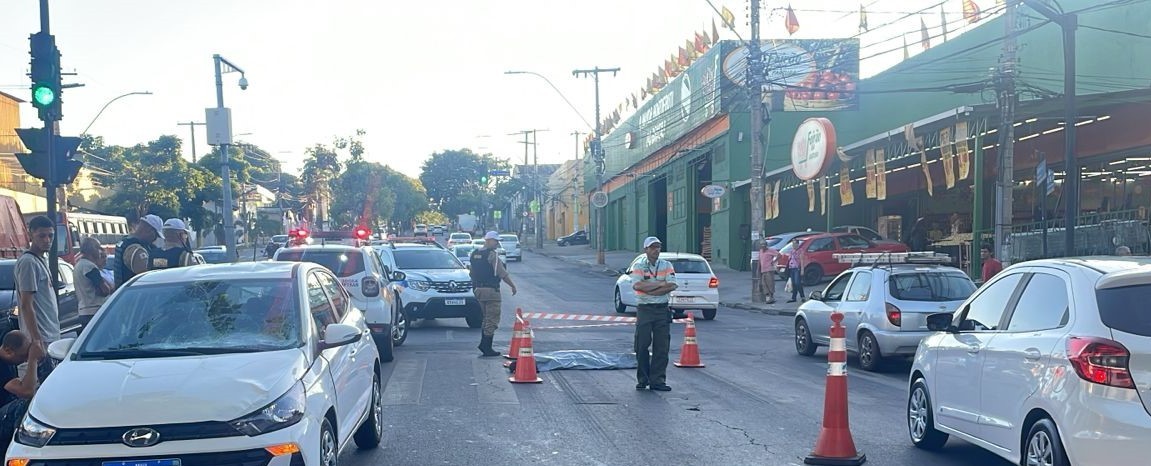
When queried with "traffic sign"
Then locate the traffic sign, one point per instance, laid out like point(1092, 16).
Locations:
point(497, 214)
point(599, 199)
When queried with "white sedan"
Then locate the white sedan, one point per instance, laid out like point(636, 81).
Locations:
point(698, 285)
point(258, 362)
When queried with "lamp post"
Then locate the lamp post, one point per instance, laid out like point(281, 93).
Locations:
point(222, 66)
point(105, 107)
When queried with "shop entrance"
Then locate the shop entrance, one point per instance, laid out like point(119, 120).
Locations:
point(699, 241)
point(657, 206)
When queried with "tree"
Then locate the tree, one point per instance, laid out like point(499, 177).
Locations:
point(153, 178)
point(321, 167)
point(353, 145)
point(431, 217)
point(453, 179)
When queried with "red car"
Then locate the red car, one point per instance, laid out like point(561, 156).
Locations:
point(816, 254)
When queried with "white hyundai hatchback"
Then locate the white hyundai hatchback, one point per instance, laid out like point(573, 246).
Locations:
point(1048, 363)
point(259, 363)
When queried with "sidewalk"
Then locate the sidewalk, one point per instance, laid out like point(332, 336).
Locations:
point(734, 286)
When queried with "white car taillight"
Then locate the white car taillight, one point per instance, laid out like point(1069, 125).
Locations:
point(1101, 361)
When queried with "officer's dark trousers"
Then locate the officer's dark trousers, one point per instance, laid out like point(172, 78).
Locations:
point(652, 329)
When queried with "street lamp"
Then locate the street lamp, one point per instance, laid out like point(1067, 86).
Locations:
point(562, 96)
point(222, 66)
point(105, 107)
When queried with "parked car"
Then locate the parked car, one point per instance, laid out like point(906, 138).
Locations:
point(816, 254)
point(459, 238)
point(1049, 361)
point(866, 233)
point(885, 309)
point(777, 242)
point(500, 251)
point(437, 285)
point(511, 244)
point(280, 240)
point(66, 300)
point(438, 230)
point(698, 285)
point(360, 272)
point(251, 363)
point(420, 230)
point(576, 238)
point(213, 255)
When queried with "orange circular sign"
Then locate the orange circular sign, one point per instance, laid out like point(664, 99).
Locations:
point(813, 148)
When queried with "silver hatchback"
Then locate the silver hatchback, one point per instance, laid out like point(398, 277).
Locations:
point(884, 308)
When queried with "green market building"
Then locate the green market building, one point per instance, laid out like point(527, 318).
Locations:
point(695, 131)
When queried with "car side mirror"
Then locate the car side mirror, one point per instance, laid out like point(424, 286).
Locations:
point(623, 271)
point(398, 276)
point(59, 349)
point(940, 322)
point(336, 335)
point(816, 296)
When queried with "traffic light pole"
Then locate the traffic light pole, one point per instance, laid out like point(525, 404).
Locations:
point(50, 183)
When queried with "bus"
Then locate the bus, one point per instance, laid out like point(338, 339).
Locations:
point(108, 229)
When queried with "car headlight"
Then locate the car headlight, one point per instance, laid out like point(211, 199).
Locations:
point(420, 285)
point(284, 412)
point(32, 433)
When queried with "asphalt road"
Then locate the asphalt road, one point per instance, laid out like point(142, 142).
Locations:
point(756, 402)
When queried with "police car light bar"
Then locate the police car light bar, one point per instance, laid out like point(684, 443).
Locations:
point(923, 257)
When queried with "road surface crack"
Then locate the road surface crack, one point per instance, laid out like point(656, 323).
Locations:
point(750, 440)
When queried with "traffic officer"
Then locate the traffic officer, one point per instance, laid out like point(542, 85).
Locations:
point(487, 271)
point(652, 279)
point(176, 251)
point(134, 252)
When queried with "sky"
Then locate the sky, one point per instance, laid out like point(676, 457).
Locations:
point(419, 77)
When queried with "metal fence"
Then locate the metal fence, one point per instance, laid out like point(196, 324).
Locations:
point(1095, 234)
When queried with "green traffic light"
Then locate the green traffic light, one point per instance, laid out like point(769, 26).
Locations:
point(43, 96)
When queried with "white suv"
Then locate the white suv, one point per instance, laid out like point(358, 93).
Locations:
point(438, 285)
point(248, 363)
point(360, 271)
point(1050, 360)
point(511, 244)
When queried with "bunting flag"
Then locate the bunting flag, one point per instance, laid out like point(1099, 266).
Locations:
point(947, 156)
point(643, 92)
point(728, 18)
point(961, 149)
point(869, 165)
point(863, 19)
point(792, 22)
point(924, 36)
point(906, 53)
point(925, 166)
point(880, 175)
point(682, 59)
point(846, 195)
point(943, 21)
point(692, 51)
point(714, 33)
point(971, 12)
point(701, 44)
point(775, 201)
point(810, 196)
point(634, 101)
point(657, 81)
point(823, 195)
point(767, 201)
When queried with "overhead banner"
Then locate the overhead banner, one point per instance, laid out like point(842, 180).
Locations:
point(803, 75)
point(961, 149)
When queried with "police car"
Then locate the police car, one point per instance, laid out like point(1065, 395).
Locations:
point(359, 270)
point(438, 284)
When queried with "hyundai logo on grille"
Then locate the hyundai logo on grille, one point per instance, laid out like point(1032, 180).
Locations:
point(141, 437)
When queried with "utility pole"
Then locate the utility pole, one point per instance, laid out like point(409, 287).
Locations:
point(755, 99)
point(529, 140)
point(536, 198)
point(1004, 184)
point(577, 134)
point(192, 125)
point(598, 155)
point(575, 187)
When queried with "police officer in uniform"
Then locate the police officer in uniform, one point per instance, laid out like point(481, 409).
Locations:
point(134, 253)
point(487, 271)
point(176, 251)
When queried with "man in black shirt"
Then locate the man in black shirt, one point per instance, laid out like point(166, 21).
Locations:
point(15, 350)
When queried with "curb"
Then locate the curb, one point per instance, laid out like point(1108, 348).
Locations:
point(760, 308)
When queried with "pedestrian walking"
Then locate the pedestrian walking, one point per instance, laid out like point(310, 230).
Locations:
point(39, 314)
point(176, 252)
point(767, 263)
point(991, 265)
point(134, 253)
point(91, 287)
point(487, 272)
point(653, 279)
point(17, 349)
point(795, 272)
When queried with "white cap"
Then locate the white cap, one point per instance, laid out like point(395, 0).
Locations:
point(175, 224)
point(154, 222)
point(650, 241)
point(492, 235)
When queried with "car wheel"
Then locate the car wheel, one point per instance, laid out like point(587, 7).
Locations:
point(329, 451)
point(400, 328)
point(921, 420)
point(475, 319)
point(870, 356)
point(563, 243)
point(804, 345)
point(372, 430)
point(812, 275)
point(620, 307)
point(1043, 447)
point(709, 314)
point(384, 345)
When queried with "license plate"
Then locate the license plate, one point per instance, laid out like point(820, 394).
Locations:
point(454, 302)
point(684, 299)
point(167, 462)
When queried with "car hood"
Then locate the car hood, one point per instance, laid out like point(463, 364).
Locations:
point(439, 275)
point(133, 392)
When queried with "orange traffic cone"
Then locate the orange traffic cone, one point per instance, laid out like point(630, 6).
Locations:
point(526, 362)
point(835, 446)
point(517, 335)
point(689, 353)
